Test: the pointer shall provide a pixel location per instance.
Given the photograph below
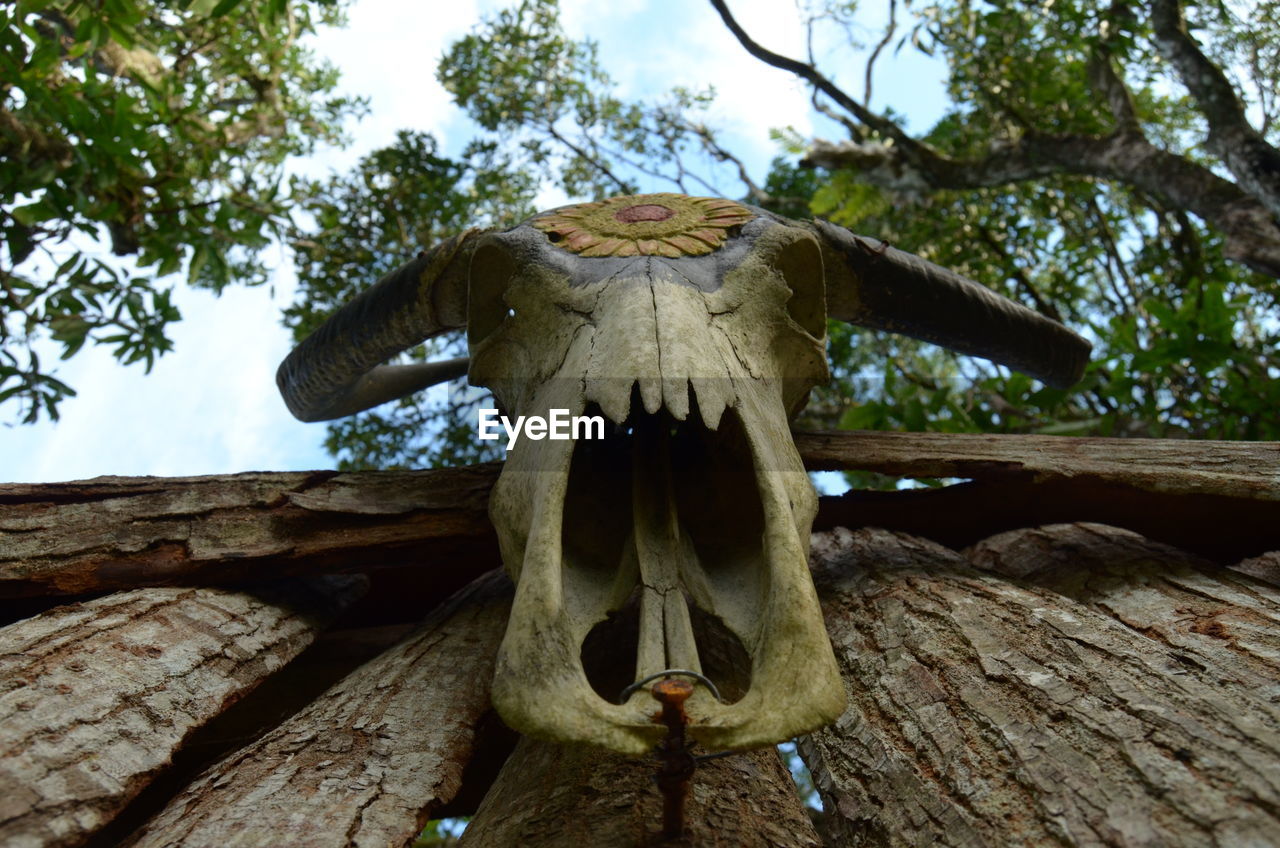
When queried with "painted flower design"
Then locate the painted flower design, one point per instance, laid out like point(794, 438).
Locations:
point(644, 225)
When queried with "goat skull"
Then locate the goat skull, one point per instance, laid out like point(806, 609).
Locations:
point(697, 326)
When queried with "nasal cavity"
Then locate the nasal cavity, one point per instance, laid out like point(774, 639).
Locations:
point(643, 212)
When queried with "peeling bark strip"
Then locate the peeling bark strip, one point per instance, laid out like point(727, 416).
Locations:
point(367, 762)
point(1248, 470)
point(95, 697)
point(1120, 695)
point(553, 795)
point(122, 532)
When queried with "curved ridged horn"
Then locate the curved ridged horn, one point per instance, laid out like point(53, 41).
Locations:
point(335, 371)
point(874, 285)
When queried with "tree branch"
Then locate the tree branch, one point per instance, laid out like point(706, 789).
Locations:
point(815, 78)
point(1105, 79)
point(1252, 235)
point(889, 30)
point(1245, 213)
point(594, 161)
point(717, 152)
point(1254, 163)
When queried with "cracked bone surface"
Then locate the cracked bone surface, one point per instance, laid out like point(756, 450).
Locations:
point(696, 327)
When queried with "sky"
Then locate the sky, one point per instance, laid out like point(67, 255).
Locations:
point(211, 405)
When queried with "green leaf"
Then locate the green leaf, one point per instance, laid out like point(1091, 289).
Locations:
point(862, 417)
point(34, 213)
point(224, 7)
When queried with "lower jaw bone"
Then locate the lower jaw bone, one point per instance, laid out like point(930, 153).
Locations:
point(717, 519)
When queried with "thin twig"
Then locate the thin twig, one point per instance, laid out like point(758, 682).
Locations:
point(875, 54)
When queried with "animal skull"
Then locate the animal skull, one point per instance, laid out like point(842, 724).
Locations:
point(697, 326)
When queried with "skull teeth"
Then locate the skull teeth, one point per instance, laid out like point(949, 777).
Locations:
point(620, 400)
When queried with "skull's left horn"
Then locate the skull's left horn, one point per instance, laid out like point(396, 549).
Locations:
point(874, 285)
point(336, 372)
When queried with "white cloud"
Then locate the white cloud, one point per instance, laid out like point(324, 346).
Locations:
point(388, 52)
point(651, 46)
point(208, 407)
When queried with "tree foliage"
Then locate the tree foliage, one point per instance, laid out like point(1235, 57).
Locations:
point(159, 130)
point(355, 227)
point(1005, 189)
point(1073, 171)
point(1111, 165)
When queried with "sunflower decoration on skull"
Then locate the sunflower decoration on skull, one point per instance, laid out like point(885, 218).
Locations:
point(669, 225)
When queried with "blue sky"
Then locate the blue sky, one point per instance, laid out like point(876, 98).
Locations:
point(211, 406)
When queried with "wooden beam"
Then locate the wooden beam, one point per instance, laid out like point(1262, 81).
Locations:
point(1217, 499)
point(121, 532)
point(1245, 470)
point(1220, 499)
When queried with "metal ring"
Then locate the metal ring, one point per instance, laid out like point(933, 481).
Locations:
point(634, 687)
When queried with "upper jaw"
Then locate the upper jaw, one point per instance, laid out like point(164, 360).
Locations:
point(682, 515)
point(705, 504)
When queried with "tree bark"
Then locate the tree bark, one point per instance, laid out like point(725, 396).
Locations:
point(554, 795)
point(367, 762)
point(1089, 687)
point(96, 697)
point(112, 532)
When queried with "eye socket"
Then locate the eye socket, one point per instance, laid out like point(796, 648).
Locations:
point(800, 263)
point(492, 268)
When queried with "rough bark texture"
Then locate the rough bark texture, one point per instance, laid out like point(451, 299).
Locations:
point(113, 533)
point(552, 795)
point(122, 532)
point(1088, 688)
point(367, 762)
point(96, 697)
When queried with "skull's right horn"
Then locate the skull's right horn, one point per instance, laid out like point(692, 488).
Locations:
point(874, 285)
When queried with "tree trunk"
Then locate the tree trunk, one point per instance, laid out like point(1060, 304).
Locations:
point(368, 762)
point(96, 697)
point(555, 795)
point(1081, 685)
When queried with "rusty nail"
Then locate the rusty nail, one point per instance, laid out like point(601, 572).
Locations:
point(669, 672)
point(677, 762)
